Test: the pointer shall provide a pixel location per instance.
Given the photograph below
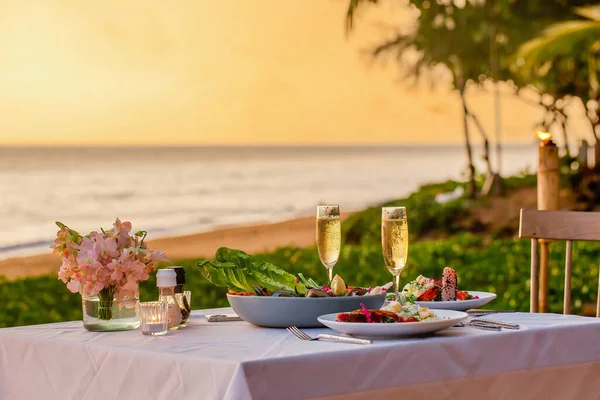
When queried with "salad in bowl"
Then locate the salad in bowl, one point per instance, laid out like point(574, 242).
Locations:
point(264, 294)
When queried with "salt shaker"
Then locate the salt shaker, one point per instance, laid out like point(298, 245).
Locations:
point(166, 281)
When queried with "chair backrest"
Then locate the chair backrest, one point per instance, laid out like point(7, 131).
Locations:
point(558, 225)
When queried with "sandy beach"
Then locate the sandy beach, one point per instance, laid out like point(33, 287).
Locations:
point(252, 239)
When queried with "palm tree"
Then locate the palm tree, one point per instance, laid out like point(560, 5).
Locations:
point(474, 41)
point(566, 55)
point(442, 38)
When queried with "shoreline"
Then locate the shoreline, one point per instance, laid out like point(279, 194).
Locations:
point(262, 237)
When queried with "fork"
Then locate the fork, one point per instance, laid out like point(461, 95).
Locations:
point(505, 325)
point(303, 336)
point(484, 327)
point(479, 312)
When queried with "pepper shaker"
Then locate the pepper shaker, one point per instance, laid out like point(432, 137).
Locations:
point(179, 295)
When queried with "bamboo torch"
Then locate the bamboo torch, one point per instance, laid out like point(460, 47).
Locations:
point(547, 199)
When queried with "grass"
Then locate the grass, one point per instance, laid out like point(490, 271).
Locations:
point(500, 265)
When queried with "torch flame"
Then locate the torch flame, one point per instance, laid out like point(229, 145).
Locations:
point(544, 136)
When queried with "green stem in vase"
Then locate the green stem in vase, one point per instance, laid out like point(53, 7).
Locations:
point(105, 302)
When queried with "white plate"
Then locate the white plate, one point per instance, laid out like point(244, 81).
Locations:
point(460, 305)
point(447, 319)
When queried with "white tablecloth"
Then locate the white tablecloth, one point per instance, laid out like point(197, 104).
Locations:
point(551, 354)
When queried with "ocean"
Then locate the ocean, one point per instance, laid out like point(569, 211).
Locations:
point(177, 190)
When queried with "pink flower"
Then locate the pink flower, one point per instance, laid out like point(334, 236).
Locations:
point(110, 246)
point(98, 286)
point(122, 228)
point(137, 268)
point(61, 236)
point(106, 247)
point(73, 286)
point(95, 235)
point(88, 288)
point(159, 256)
point(114, 269)
point(121, 231)
point(130, 286)
point(87, 251)
point(63, 274)
point(103, 274)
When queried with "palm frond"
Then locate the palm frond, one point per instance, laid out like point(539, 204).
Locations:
point(590, 12)
point(351, 13)
point(397, 45)
point(559, 40)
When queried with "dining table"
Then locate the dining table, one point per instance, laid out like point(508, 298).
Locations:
point(551, 356)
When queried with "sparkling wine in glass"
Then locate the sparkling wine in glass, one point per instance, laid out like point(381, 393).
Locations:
point(394, 241)
point(329, 236)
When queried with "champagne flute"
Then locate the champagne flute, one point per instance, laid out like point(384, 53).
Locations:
point(329, 236)
point(394, 241)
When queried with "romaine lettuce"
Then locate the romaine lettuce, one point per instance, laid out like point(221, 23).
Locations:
point(241, 272)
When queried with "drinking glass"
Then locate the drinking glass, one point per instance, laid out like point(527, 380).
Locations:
point(153, 315)
point(329, 236)
point(394, 241)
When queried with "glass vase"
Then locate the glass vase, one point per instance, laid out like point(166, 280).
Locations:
point(104, 312)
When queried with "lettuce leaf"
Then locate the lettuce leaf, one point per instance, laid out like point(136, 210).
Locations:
point(241, 272)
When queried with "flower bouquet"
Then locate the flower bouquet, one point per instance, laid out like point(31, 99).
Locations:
point(105, 268)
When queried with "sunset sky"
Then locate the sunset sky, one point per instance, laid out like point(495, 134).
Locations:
point(146, 72)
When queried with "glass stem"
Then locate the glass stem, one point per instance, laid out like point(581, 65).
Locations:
point(330, 274)
point(396, 285)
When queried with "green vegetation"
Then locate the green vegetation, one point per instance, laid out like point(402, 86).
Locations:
point(500, 266)
point(426, 216)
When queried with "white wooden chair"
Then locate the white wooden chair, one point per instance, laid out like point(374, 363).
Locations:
point(558, 225)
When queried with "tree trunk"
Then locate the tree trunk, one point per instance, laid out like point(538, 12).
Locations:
point(471, 186)
point(563, 124)
point(494, 68)
point(593, 125)
point(498, 129)
point(486, 143)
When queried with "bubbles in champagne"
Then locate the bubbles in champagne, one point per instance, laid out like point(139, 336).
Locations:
point(329, 239)
point(394, 241)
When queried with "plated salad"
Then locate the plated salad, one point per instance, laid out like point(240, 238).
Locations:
point(394, 312)
point(245, 275)
point(429, 289)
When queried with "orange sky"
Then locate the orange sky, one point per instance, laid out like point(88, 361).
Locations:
point(214, 72)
